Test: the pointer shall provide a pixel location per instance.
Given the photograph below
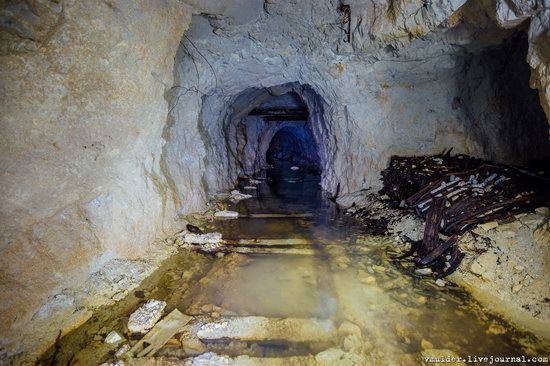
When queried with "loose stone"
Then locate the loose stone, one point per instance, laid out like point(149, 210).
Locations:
point(146, 317)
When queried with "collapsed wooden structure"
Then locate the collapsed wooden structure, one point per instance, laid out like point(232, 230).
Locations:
point(455, 193)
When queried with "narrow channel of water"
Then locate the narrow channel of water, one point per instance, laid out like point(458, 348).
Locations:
point(342, 275)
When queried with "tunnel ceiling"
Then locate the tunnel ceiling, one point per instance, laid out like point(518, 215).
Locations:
point(287, 107)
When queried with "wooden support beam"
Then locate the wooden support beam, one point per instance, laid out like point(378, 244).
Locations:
point(281, 114)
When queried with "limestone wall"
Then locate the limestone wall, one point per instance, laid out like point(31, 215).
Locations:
point(83, 111)
point(390, 91)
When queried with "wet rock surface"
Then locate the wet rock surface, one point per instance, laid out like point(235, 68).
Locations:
point(504, 262)
point(507, 265)
point(349, 304)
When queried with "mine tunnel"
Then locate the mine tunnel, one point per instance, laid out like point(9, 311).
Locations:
point(291, 145)
point(250, 182)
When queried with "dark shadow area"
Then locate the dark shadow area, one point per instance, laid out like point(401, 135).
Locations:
point(295, 146)
point(510, 121)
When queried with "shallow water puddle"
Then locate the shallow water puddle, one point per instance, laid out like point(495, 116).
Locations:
point(380, 311)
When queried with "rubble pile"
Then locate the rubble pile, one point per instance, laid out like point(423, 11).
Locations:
point(143, 319)
point(454, 194)
point(405, 176)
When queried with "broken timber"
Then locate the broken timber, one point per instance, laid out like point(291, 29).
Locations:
point(160, 334)
point(258, 328)
point(268, 242)
point(275, 216)
point(455, 193)
point(281, 114)
point(266, 250)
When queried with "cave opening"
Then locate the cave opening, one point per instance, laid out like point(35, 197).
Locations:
point(508, 120)
point(265, 132)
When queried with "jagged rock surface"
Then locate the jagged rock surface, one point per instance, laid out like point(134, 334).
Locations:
point(105, 140)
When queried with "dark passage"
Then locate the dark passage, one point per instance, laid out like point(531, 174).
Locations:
point(285, 130)
point(296, 146)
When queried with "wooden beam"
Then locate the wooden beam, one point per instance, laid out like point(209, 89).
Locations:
point(281, 114)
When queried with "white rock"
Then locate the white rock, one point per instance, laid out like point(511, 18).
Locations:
point(516, 288)
point(118, 363)
point(227, 214)
point(209, 238)
point(238, 196)
point(348, 327)
point(519, 268)
point(508, 234)
point(294, 168)
point(146, 317)
point(476, 268)
point(358, 199)
point(543, 211)
point(488, 225)
point(209, 359)
point(122, 351)
point(423, 271)
point(440, 282)
point(113, 338)
point(329, 357)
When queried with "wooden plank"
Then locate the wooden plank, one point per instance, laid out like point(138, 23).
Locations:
point(267, 250)
point(259, 328)
point(275, 216)
point(160, 334)
point(246, 360)
point(268, 242)
point(438, 251)
point(433, 221)
point(456, 222)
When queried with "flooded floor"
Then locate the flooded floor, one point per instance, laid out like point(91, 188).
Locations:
point(331, 295)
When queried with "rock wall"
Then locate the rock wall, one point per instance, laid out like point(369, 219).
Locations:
point(505, 112)
point(83, 112)
point(535, 16)
point(416, 83)
point(105, 139)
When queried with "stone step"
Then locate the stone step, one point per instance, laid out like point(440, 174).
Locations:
point(258, 328)
point(275, 216)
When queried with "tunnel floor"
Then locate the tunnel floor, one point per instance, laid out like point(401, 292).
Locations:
point(327, 291)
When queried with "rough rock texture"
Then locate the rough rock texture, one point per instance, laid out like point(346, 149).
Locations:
point(209, 238)
point(146, 316)
point(506, 266)
point(105, 140)
point(512, 13)
point(83, 111)
point(413, 80)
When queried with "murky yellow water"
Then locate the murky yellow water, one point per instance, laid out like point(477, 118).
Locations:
point(348, 276)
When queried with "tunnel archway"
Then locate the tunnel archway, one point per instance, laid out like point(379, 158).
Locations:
point(243, 131)
point(294, 111)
